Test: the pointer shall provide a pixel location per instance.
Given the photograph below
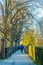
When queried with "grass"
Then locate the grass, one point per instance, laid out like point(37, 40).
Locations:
point(37, 63)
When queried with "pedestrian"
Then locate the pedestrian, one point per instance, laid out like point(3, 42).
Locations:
point(22, 48)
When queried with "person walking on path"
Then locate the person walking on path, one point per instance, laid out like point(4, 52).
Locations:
point(22, 48)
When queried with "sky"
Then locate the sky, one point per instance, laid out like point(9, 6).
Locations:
point(2, 1)
point(36, 10)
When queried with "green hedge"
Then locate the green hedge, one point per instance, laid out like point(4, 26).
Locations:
point(39, 55)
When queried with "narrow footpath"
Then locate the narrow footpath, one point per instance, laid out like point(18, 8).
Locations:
point(18, 58)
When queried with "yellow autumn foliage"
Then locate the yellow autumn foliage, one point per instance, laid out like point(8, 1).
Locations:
point(28, 38)
point(8, 44)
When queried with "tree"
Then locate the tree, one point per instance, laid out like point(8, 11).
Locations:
point(28, 38)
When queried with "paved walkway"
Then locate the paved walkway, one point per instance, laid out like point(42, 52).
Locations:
point(17, 58)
